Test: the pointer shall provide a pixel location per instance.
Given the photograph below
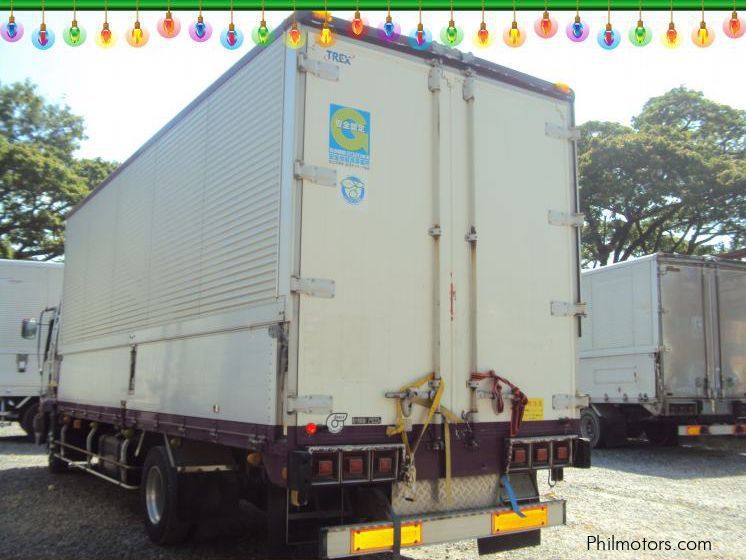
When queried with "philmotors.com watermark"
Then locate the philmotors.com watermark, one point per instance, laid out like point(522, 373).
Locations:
point(612, 543)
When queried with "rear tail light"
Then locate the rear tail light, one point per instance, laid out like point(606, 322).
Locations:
point(354, 467)
point(561, 452)
point(541, 454)
point(325, 468)
point(519, 456)
point(384, 465)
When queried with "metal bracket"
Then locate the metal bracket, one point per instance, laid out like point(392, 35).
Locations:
point(559, 131)
point(319, 175)
point(471, 236)
point(567, 309)
point(435, 231)
point(559, 218)
point(433, 79)
point(317, 287)
point(564, 401)
point(310, 403)
point(320, 68)
point(468, 91)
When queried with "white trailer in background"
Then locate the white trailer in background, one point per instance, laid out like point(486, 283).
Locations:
point(27, 288)
point(663, 349)
point(302, 287)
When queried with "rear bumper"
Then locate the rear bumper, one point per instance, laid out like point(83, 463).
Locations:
point(694, 430)
point(423, 530)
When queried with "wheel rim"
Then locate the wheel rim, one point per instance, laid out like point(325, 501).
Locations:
point(154, 495)
point(587, 428)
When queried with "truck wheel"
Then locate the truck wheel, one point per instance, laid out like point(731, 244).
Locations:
point(27, 419)
point(591, 427)
point(160, 500)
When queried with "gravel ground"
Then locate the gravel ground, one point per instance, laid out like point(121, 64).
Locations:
point(678, 494)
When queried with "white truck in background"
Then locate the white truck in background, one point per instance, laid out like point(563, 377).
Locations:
point(663, 349)
point(27, 288)
point(310, 291)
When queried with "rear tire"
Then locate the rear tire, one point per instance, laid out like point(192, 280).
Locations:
point(160, 500)
point(591, 427)
point(27, 419)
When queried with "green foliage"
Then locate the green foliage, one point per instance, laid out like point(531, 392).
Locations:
point(40, 178)
point(675, 181)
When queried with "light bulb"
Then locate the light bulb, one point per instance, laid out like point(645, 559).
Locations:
point(231, 38)
point(261, 34)
point(420, 38)
point(671, 37)
point(483, 38)
point(326, 37)
point(389, 31)
point(609, 38)
point(733, 27)
point(703, 36)
point(514, 35)
point(168, 26)
point(451, 35)
point(105, 38)
point(200, 30)
point(577, 31)
point(546, 26)
point(639, 35)
point(357, 26)
point(74, 35)
point(137, 36)
point(294, 38)
point(43, 38)
point(12, 30)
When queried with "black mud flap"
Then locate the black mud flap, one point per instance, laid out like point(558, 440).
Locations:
point(501, 543)
point(582, 459)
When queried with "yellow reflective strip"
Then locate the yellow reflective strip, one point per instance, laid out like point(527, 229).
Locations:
point(693, 430)
point(382, 538)
point(507, 521)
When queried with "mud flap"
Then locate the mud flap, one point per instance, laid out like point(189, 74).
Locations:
point(491, 545)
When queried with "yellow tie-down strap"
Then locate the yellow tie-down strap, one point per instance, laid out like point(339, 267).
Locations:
point(433, 405)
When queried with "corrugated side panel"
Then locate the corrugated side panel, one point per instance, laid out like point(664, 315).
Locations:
point(191, 226)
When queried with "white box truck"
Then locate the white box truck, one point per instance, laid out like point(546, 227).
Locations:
point(27, 288)
point(663, 349)
point(310, 290)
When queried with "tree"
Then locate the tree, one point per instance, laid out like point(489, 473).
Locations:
point(674, 181)
point(40, 178)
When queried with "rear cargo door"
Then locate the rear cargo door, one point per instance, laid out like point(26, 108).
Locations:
point(526, 248)
point(732, 308)
point(683, 323)
point(367, 232)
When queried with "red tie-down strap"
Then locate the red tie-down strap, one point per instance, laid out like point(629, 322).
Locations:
point(518, 399)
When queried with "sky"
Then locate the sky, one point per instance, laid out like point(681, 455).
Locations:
point(127, 94)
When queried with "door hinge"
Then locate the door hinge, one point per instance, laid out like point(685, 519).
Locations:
point(554, 130)
point(559, 218)
point(567, 309)
point(468, 91)
point(433, 78)
point(310, 403)
point(317, 287)
point(320, 68)
point(320, 175)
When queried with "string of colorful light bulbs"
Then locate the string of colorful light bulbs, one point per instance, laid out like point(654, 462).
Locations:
point(420, 38)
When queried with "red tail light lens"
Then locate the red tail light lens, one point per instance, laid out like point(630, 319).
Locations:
point(519, 455)
point(325, 467)
point(561, 452)
point(385, 465)
point(354, 465)
point(541, 454)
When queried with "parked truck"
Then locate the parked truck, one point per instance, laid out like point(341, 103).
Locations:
point(27, 288)
point(310, 290)
point(663, 349)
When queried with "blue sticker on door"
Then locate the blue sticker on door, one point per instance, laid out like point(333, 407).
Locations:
point(349, 136)
point(353, 190)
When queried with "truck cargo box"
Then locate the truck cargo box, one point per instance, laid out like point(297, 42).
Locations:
point(26, 289)
point(666, 334)
point(327, 250)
